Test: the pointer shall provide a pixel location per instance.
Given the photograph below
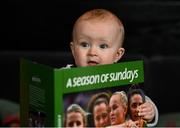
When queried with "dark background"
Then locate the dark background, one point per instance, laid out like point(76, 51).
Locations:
point(152, 26)
point(41, 31)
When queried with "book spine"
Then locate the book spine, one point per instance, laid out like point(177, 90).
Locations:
point(58, 98)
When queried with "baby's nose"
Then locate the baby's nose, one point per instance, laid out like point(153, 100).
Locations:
point(93, 51)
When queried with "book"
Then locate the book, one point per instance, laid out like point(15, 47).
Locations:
point(46, 92)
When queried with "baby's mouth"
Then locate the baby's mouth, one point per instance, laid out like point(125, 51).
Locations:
point(92, 63)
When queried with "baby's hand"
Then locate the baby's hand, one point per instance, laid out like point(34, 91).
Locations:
point(147, 111)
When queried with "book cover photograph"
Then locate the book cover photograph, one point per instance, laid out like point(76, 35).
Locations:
point(67, 97)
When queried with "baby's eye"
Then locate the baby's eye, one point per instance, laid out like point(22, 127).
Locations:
point(103, 46)
point(84, 44)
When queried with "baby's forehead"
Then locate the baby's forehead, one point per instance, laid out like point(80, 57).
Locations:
point(107, 24)
point(97, 21)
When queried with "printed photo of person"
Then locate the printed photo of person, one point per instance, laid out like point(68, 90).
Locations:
point(75, 117)
point(136, 97)
point(98, 108)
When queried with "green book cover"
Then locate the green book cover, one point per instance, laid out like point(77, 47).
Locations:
point(46, 92)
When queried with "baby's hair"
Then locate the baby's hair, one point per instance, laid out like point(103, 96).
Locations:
point(101, 14)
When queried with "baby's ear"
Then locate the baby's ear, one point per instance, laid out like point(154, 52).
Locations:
point(119, 54)
point(72, 47)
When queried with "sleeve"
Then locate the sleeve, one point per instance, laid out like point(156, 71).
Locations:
point(155, 120)
point(67, 66)
point(9, 113)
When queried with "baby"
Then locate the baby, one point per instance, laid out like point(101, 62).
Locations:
point(98, 37)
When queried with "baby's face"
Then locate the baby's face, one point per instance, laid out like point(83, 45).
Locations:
point(96, 42)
